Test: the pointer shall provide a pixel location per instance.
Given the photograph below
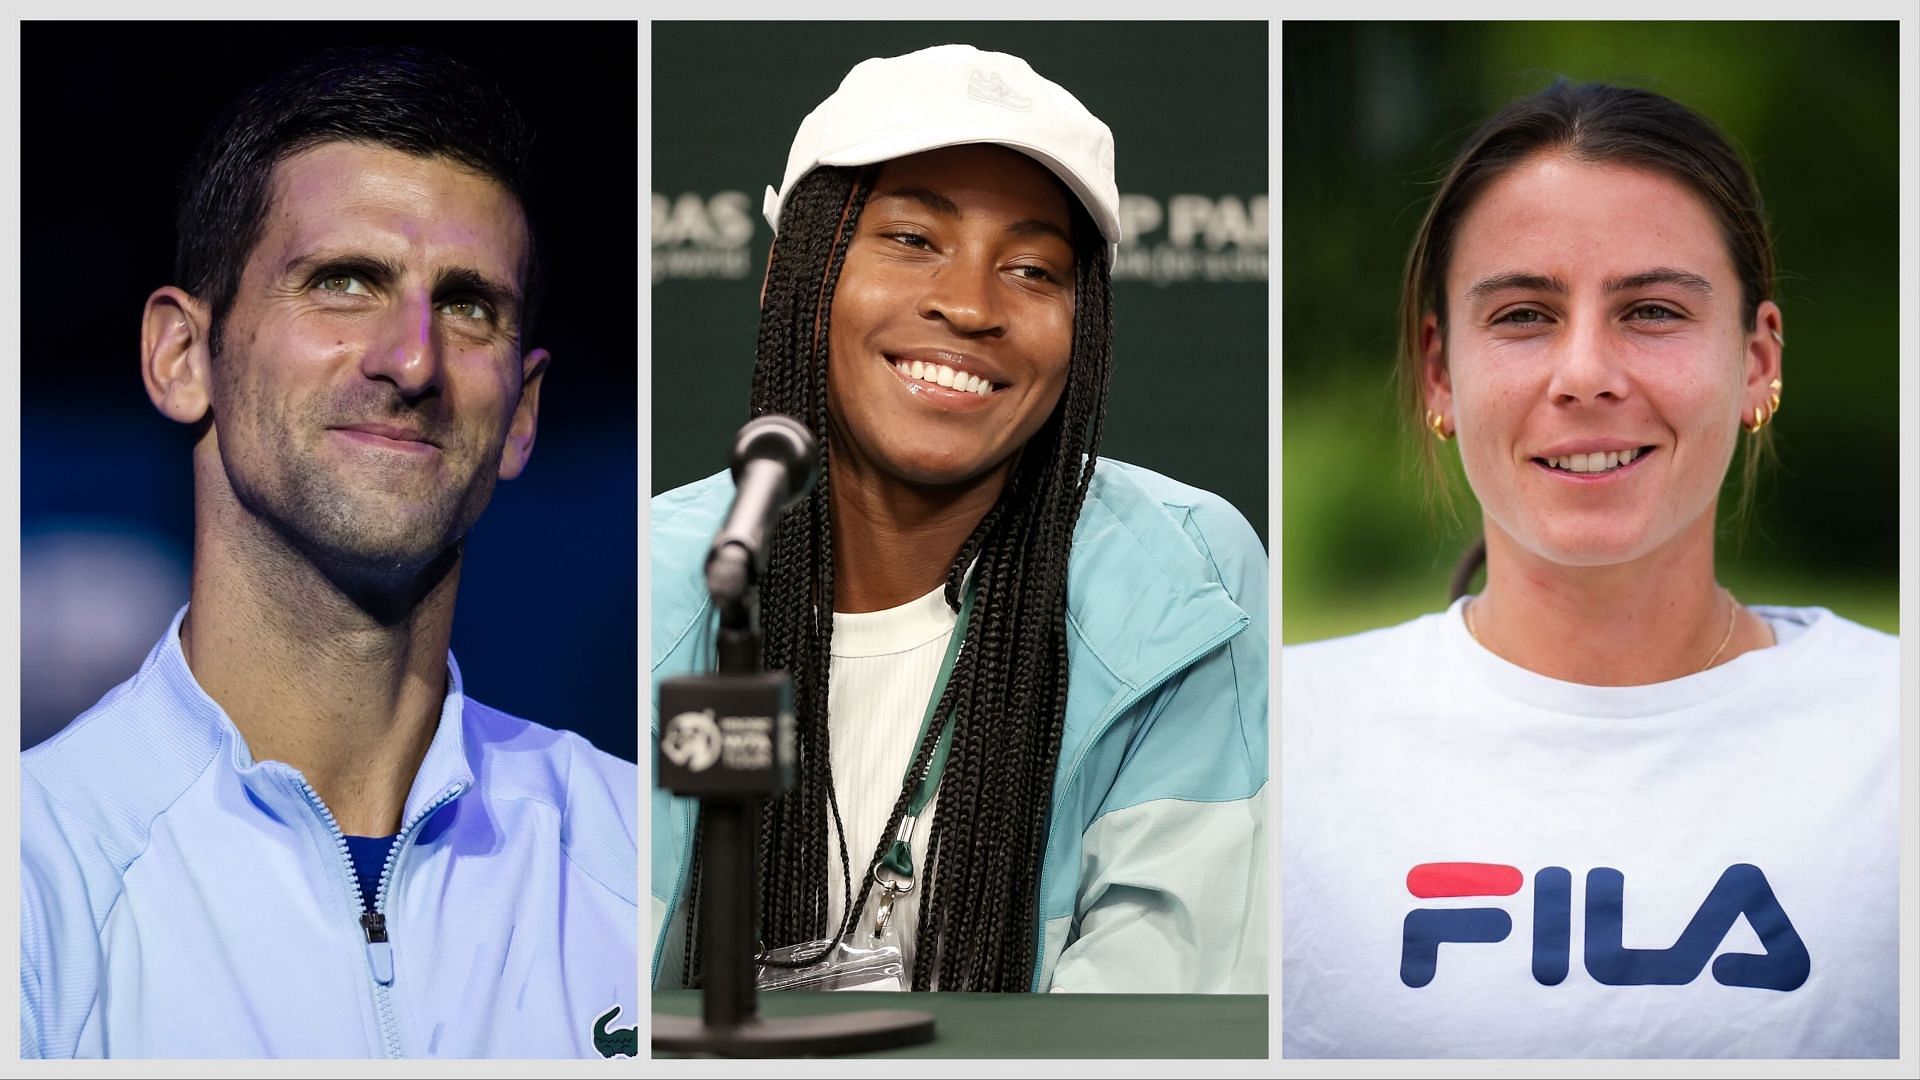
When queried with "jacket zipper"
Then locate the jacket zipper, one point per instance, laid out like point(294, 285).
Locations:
point(1073, 773)
point(373, 924)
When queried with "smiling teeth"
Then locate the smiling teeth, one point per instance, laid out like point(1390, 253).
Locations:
point(1598, 461)
point(942, 375)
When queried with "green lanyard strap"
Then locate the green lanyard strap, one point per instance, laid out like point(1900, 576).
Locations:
point(899, 857)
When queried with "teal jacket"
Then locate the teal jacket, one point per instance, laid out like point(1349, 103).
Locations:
point(1155, 876)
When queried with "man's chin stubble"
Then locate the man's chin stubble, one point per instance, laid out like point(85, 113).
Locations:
point(379, 558)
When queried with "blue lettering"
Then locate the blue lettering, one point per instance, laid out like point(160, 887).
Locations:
point(1552, 924)
point(1426, 928)
point(1741, 890)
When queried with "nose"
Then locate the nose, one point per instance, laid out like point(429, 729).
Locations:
point(407, 350)
point(961, 293)
point(1587, 366)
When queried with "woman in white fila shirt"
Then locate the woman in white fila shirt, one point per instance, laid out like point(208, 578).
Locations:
point(1603, 808)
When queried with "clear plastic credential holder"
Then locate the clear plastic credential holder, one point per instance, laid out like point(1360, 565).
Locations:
point(875, 964)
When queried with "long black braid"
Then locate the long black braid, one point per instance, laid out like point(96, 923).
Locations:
point(1007, 695)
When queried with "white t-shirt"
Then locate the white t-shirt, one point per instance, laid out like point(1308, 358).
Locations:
point(884, 666)
point(1753, 806)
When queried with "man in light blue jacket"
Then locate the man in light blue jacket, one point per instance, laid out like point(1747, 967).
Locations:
point(1030, 683)
point(291, 834)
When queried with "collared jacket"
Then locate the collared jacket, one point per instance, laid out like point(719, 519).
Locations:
point(180, 899)
point(1155, 872)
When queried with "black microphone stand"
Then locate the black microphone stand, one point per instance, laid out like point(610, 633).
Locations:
point(728, 739)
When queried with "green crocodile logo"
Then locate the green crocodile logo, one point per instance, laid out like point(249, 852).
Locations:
point(619, 1042)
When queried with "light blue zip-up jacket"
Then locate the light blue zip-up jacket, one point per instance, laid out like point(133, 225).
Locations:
point(1155, 875)
point(179, 899)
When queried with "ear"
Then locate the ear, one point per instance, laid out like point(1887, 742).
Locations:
point(1433, 368)
point(526, 416)
point(173, 354)
point(1765, 345)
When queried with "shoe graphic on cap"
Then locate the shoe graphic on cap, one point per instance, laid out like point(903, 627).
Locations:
point(992, 89)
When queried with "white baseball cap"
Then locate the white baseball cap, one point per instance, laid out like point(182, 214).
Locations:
point(951, 95)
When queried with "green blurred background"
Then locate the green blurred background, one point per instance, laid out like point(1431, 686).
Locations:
point(1372, 116)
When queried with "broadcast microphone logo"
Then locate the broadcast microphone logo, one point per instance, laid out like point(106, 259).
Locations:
point(692, 741)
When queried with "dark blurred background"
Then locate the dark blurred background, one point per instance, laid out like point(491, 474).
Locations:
point(1187, 103)
point(1373, 113)
point(547, 623)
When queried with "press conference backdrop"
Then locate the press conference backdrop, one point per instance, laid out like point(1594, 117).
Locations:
point(1187, 103)
point(547, 620)
point(1372, 114)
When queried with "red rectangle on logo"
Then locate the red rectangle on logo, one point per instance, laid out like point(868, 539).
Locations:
point(1433, 879)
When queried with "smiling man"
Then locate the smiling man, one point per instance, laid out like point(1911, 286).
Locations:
point(291, 833)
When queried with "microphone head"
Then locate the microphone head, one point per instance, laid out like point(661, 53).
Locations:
point(784, 441)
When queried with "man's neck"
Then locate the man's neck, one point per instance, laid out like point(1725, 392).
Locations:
point(345, 687)
point(895, 542)
point(1656, 618)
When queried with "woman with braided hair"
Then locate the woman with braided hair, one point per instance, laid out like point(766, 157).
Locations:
point(1030, 683)
point(1643, 818)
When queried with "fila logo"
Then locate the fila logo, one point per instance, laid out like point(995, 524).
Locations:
point(1741, 890)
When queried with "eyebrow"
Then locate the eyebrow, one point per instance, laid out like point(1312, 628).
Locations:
point(466, 281)
point(1038, 227)
point(940, 204)
point(449, 281)
point(372, 266)
point(1659, 275)
point(927, 197)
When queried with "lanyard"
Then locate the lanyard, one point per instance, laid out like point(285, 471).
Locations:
point(895, 871)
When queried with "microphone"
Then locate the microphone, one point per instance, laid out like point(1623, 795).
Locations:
point(773, 460)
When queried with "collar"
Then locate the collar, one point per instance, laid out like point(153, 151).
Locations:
point(1798, 634)
point(444, 772)
point(896, 629)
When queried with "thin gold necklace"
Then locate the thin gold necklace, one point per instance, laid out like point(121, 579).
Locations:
point(1733, 614)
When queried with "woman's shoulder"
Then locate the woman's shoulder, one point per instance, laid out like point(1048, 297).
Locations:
point(1338, 690)
point(690, 508)
point(1419, 631)
point(1824, 620)
point(1824, 641)
point(1363, 655)
point(680, 526)
point(1167, 520)
point(1127, 488)
point(681, 523)
point(1168, 541)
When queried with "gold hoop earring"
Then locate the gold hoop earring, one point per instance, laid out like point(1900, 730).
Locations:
point(1773, 406)
point(1438, 422)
